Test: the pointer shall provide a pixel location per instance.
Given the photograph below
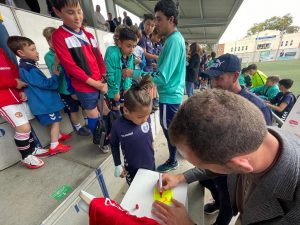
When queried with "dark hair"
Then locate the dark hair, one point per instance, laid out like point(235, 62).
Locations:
point(155, 32)
point(213, 54)
point(273, 78)
point(168, 8)
point(287, 83)
point(139, 95)
point(195, 49)
point(252, 67)
point(148, 17)
point(127, 34)
point(219, 131)
point(245, 69)
point(59, 4)
point(16, 43)
point(137, 31)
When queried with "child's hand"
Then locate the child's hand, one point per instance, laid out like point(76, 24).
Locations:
point(137, 60)
point(117, 97)
point(74, 97)
point(120, 171)
point(20, 84)
point(101, 86)
point(23, 96)
point(124, 173)
point(127, 72)
point(154, 65)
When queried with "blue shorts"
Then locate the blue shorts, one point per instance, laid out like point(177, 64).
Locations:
point(71, 105)
point(46, 119)
point(88, 100)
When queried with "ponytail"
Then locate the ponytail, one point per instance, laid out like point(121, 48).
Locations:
point(139, 95)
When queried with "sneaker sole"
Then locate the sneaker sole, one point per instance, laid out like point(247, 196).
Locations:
point(32, 166)
point(59, 151)
point(42, 155)
point(211, 213)
point(165, 171)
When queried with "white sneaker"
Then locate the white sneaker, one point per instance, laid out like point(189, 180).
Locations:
point(40, 152)
point(32, 162)
point(105, 149)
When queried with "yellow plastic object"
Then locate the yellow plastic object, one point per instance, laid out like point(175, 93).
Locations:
point(166, 196)
point(1, 17)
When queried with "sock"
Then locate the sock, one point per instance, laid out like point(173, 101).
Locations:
point(53, 144)
point(77, 126)
point(23, 144)
point(92, 122)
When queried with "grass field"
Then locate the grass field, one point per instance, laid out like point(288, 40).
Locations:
point(285, 69)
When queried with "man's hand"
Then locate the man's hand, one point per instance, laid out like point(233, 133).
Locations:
point(20, 84)
point(170, 215)
point(127, 72)
point(170, 181)
point(23, 96)
point(117, 97)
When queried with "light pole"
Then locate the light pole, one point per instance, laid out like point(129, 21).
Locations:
point(280, 40)
point(255, 43)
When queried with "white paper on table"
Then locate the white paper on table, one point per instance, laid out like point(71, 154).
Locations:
point(141, 192)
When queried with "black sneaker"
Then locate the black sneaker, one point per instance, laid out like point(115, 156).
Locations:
point(211, 208)
point(167, 166)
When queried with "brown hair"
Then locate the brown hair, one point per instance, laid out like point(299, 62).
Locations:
point(117, 32)
point(139, 95)
point(16, 43)
point(218, 125)
point(274, 78)
point(195, 49)
point(59, 4)
point(137, 31)
point(47, 32)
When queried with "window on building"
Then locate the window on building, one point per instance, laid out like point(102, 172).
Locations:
point(246, 47)
point(291, 43)
point(286, 43)
point(232, 49)
point(239, 49)
point(242, 48)
point(281, 44)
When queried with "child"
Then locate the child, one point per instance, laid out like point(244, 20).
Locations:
point(269, 90)
point(79, 54)
point(244, 78)
point(258, 78)
point(116, 59)
point(43, 99)
point(138, 53)
point(284, 101)
point(16, 112)
point(133, 132)
point(71, 105)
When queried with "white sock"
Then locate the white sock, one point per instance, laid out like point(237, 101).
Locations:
point(77, 126)
point(54, 144)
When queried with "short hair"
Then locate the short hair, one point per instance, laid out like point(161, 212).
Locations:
point(155, 32)
point(273, 78)
point(148, 17)
point(218, 125)
point(59, 4)
point(168, 8)
point(252, 67)
point(47, 32)
point(287, 83)
point(139, 95)
point(213, 54)
point(16, 43)
point(245, 69)
point(137, 31)
point(127, 34)
point(117, 32)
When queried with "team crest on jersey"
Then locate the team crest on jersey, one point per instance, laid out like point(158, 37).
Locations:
point(18, 114)
point(145, 127)
point(52, 116)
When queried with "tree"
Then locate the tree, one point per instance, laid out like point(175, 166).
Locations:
point(275, 23)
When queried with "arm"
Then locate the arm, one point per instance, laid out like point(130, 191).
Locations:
point(37, 79)
point(198, 174)
point(143, 62)
point(257, 90)
point(111, 67)
point(115, 146)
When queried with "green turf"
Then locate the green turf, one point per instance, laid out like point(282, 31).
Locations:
point(285, 69)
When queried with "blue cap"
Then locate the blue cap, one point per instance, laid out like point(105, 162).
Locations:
point(224, 63)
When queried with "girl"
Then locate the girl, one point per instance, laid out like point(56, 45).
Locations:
point(133, 132)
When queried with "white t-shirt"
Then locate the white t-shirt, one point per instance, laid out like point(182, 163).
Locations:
point(100, 21)
point(138, 52)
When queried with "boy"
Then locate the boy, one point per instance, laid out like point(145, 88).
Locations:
point(170, 75)
point(79, 54)
point(269, 90)
point(284, 101)
point(71, 105)
point(258, 78)
point(244, 78)
point(116, 59)
point(41, 92)
point(16, 112)
point(262, 163)
point(138, 53)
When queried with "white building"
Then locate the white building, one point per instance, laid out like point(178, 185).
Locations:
point(267, 45)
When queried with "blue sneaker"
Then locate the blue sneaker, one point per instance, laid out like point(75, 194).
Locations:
point(83, 131)
point(167, 166)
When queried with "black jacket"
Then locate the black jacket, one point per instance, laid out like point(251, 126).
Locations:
point(193, 68)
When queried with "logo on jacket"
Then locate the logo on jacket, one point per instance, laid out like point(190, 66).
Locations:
point(18, 114)
point(145, 127)
point(2, 132)
point(52, 116)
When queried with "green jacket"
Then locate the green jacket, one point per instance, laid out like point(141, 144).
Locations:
point(258, 79)
point(266, 93)
point(62, 83)
point(113, 64)
point(171, 70)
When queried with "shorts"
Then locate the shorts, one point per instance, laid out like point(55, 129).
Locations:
point(71, 105)
point(88, 100)
point(46, 119)
point(17, 114)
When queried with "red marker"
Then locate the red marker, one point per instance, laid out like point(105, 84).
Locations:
point(160, 184)
point(137, 206)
